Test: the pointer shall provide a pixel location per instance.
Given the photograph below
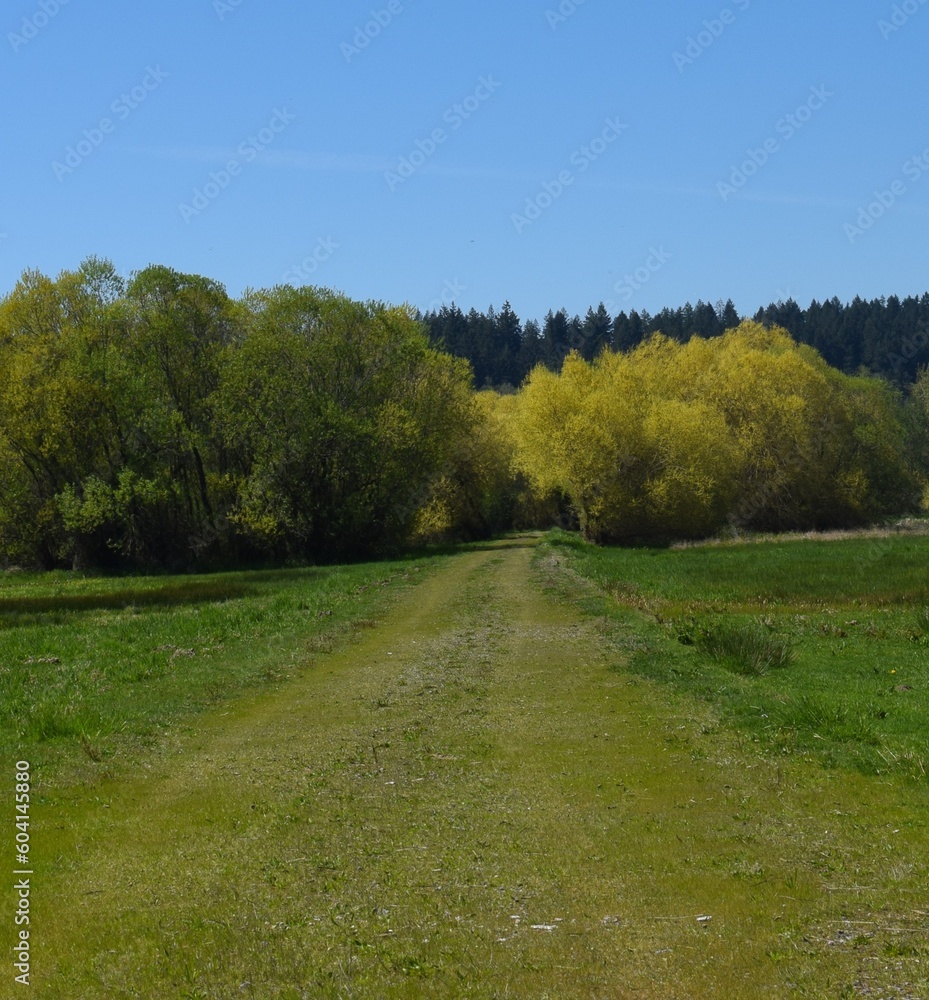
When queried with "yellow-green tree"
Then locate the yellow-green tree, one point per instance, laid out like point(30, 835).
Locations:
point(59, 403)
point(634, 461)
point(673, 440)
point(820, 448)
point(479, 492)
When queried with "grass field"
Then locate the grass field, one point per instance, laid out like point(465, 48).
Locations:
point(98, 669)
point(814, 647)
point(524, 770)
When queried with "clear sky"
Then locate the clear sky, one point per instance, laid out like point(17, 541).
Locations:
point(548, 152)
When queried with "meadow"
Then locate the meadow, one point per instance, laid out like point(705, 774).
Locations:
point(813, 646)
point(99, 669)
point(520, 768)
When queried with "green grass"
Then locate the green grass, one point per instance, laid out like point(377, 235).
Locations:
point(463, 788)
point(813, 647)
point(98, 668)
point(748, 648)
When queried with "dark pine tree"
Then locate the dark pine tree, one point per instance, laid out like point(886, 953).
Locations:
point(530, 349)
point(482, 348)
point(628, 332)
point(729, 317)
point(555, 339)
point(705, 321)
point(598, 330)
point(508, 338)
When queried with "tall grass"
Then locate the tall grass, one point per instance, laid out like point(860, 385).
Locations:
point(747, 648)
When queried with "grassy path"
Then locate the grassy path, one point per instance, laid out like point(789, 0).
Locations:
point(468, 802)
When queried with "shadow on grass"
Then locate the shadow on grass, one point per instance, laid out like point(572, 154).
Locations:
point(522, 540)
point(174, 594)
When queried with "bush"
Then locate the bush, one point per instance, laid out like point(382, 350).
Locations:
point(750, 429)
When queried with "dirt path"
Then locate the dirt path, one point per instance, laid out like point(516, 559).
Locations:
point(464, 802)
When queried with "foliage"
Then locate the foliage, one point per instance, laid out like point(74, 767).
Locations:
point(342, 417)
point(673, 440)
point(479, 493)
point(888, 337)
point(157, 422)
point(161, 423)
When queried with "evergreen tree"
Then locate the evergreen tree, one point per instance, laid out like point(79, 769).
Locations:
point(508, 339)
point(555, 339)
point(728, 315)
point(705, 322)
point(598, 328)
point(530, 349)
point(628, 331)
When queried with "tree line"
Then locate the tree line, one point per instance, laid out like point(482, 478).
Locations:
point(887, 336)
point(156, 422)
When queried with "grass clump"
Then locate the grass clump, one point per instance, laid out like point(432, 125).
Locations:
point(747, 648)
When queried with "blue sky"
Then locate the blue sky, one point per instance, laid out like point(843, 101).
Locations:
point(548, 152)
